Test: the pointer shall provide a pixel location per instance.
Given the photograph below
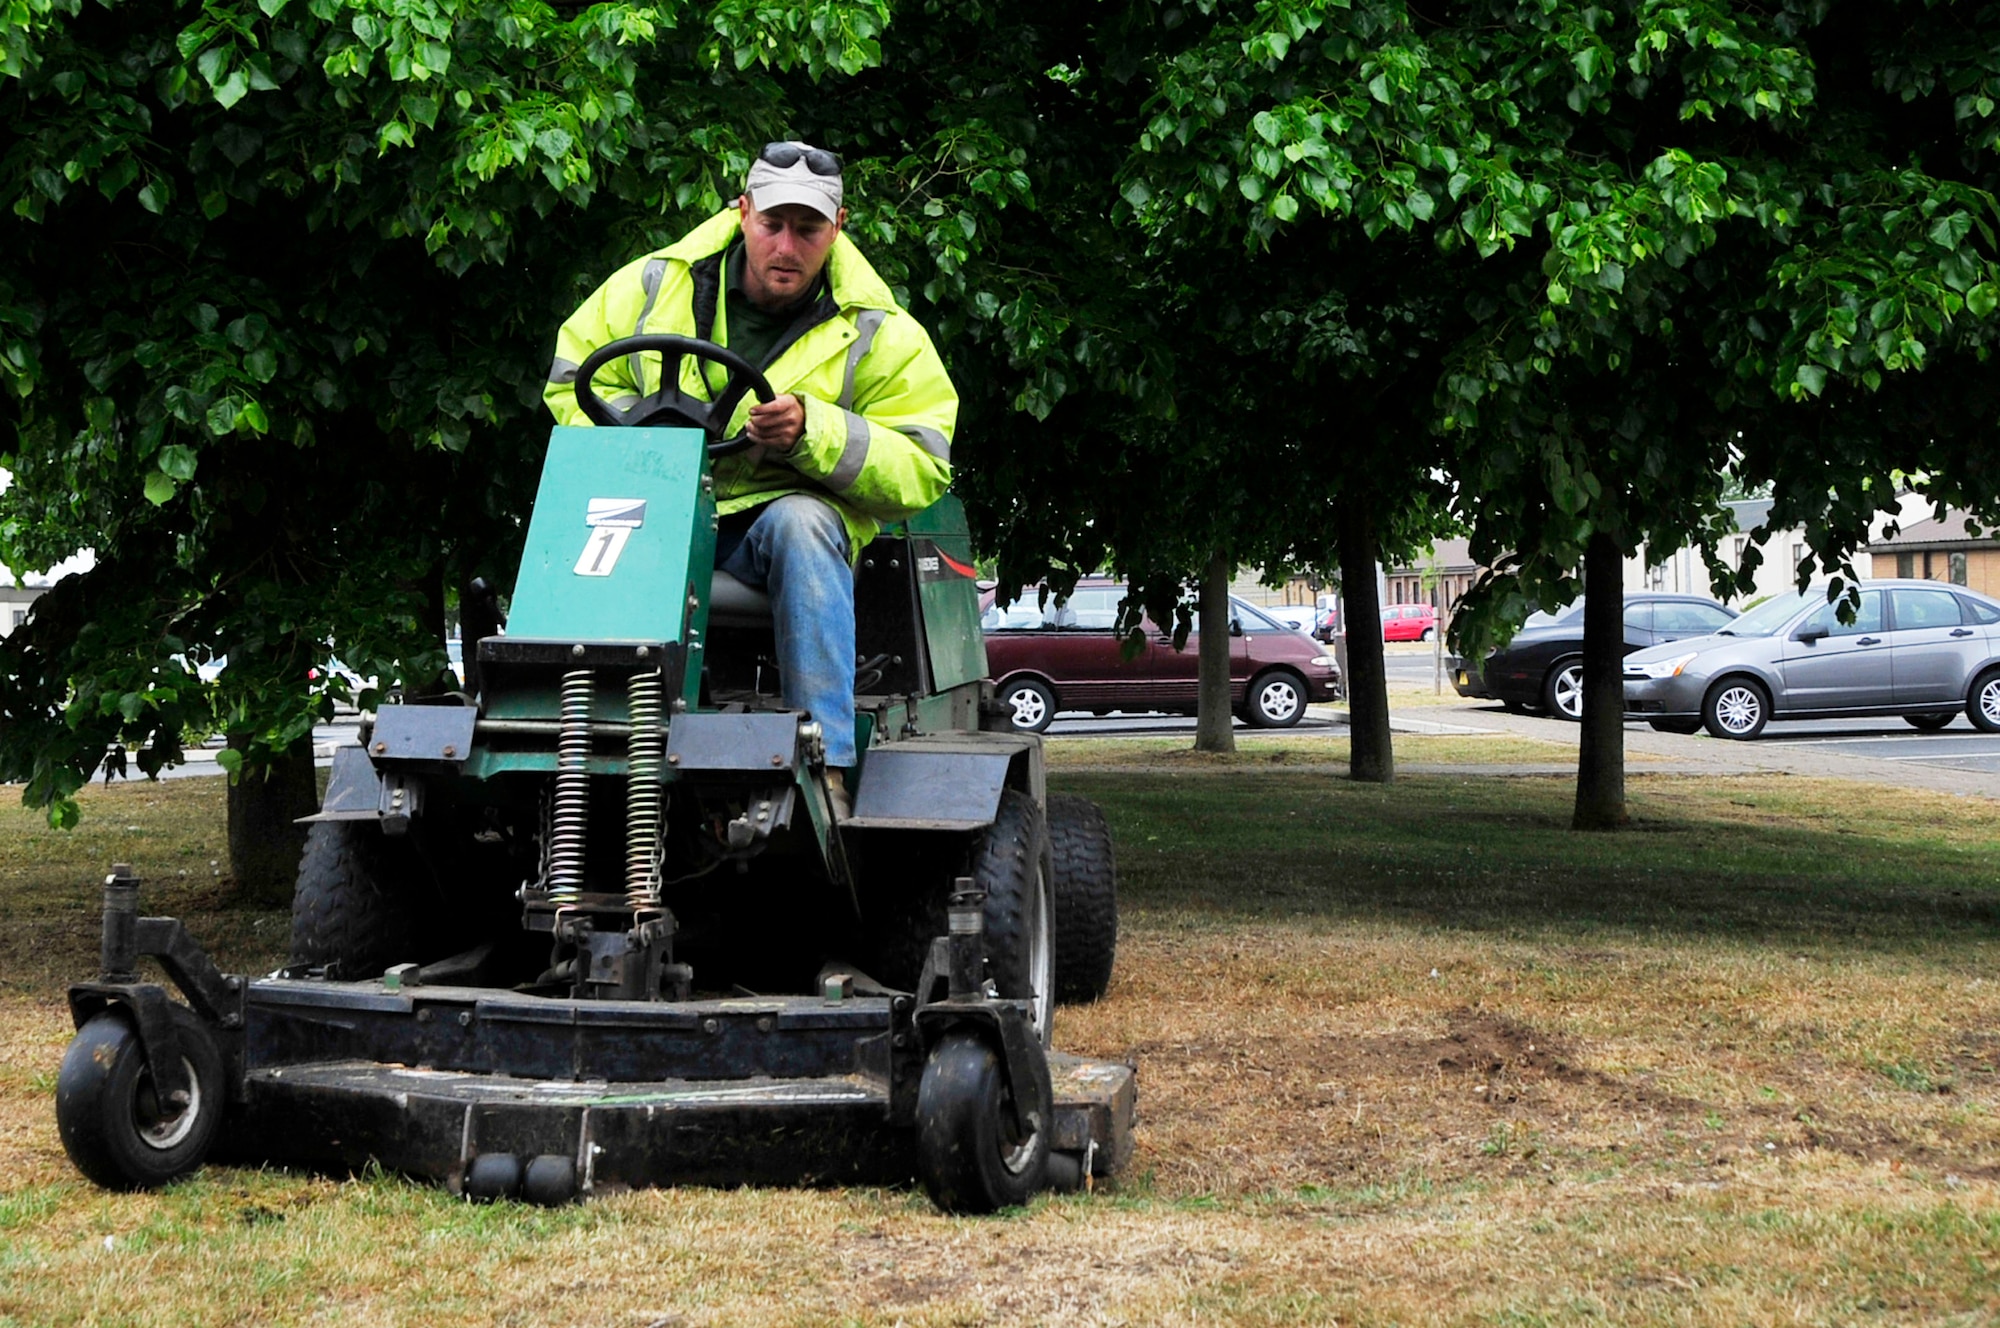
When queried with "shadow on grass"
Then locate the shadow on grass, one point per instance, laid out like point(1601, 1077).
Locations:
point(1775, 861)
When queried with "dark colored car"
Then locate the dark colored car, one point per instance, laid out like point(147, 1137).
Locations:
point(1542, 667)
point(1920, 649)
point(1068, 655)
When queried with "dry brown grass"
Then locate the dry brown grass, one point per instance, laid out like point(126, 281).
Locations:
point(1406, 1056)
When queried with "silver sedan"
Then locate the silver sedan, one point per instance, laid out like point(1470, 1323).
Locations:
point(1920, 649)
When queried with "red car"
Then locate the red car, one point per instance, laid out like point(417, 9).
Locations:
point(1068, 655)
point(1409, 622)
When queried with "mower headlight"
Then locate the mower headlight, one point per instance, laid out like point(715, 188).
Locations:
point(1665, 668)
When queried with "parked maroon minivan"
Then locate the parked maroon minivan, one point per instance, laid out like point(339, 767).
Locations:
point(1067, 656)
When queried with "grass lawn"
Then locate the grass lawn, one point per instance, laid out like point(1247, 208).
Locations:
point(1406, 1055)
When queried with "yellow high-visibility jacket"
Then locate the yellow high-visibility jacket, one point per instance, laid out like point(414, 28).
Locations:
point(880, 409)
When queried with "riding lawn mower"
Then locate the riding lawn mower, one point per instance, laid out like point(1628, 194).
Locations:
point(599, 922)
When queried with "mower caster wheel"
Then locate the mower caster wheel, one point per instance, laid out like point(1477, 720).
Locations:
point(114, 1125)
point(493, 1176)
point(970, 1152)
point(550, 1180)
point(1067, 1172)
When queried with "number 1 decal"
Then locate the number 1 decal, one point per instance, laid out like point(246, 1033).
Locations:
point(611, 522)
point(601, 550)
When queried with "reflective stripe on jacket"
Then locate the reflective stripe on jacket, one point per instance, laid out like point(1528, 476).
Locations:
point(880, 409)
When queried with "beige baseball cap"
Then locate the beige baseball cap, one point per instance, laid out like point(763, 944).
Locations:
point(794, 172)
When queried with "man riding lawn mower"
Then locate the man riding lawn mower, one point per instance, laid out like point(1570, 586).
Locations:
point(630, 912)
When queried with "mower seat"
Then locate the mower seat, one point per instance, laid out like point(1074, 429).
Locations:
point(733, 604)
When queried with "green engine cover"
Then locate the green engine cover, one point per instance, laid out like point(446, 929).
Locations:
point(623, 534)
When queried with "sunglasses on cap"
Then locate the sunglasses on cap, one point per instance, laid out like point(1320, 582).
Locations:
point(786, 155)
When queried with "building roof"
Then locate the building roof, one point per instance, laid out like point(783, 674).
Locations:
point(1952, 531)
point(1453, 555)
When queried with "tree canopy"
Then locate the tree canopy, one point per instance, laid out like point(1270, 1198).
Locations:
point(1216, 278)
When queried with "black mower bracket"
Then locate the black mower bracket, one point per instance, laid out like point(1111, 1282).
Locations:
point(127, 936)
point(958, 963)
point(1005, 1026)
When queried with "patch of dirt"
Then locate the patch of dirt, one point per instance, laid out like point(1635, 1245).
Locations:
point(1290, 1106)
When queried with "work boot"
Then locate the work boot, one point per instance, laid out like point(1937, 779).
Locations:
point(837, 795)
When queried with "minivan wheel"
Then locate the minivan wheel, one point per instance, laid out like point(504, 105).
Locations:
point(1982, 706)
point(1029, 706)
point(1928, 723)
point(1562, 690)
point(1736, 708)
point(1277, 700)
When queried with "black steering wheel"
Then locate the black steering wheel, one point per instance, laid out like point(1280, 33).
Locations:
point(670, 405)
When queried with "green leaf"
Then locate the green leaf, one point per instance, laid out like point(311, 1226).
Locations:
point(177, 462)
point(1982, 299)
point(1812, 378)
point(159, 488)
point(230, 761)
point(1266, 125)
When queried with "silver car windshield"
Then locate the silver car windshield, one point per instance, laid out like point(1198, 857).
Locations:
point(1770, 617)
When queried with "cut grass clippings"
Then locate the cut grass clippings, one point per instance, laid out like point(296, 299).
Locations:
point(1415, 1054)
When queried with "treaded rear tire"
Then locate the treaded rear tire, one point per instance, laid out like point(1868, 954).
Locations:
point(352, 906)
point(1084, 891)
point(1010, 860)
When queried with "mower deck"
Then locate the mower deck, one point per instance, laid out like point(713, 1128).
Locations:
point(769, 1090)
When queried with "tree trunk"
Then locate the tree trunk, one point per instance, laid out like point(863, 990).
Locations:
point(264, 841)
point(1600, 765)
point(1370, 757)
point(1215, 723)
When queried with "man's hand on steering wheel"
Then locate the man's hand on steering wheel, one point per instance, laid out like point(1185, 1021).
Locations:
point(668, 405)
point(778, 424)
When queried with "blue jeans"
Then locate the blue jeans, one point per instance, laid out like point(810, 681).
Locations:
point(796, 549)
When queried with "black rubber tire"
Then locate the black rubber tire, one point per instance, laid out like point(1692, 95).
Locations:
point(1276, 700)
point(1928, 723)
point(1736, 707)
point(1010, 860)
point(110, 1119)
point(1681, 726)
point(1029, 704)
point(1562, 690)
point(1084, 891)
point(1430, 633)
point(969, 1150)
point(353, 906)
point(1982, 702)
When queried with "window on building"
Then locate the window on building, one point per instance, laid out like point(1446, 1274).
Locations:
point(1798, 555)
point(1958, 569)
point(1906, 565)
point(20, 616)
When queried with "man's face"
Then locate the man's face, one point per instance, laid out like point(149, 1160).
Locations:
point(784, 249)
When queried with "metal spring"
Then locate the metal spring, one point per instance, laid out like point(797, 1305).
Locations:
point(645, 758)
point(572, 789)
